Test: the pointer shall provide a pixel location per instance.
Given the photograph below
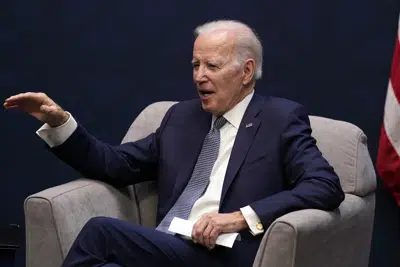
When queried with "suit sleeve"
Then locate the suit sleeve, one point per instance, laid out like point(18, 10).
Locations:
point(313, 184)
point(120, 165)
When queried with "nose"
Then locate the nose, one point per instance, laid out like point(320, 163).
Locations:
point(199, 74)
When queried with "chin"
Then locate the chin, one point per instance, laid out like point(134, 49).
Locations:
point(208, 108)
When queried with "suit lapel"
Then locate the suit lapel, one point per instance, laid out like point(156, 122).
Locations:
point(244, 138)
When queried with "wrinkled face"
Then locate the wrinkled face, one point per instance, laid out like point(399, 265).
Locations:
point(216, 73)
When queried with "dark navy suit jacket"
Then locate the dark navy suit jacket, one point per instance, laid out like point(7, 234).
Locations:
point(275, 165)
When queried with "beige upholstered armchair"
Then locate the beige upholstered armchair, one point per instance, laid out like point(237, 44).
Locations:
point(306, 238)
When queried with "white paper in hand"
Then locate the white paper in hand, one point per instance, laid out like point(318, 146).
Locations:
point(184, 227)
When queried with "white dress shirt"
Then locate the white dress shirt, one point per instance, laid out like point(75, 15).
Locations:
point(210, 200)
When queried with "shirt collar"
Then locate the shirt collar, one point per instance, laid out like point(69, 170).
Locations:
point(235, 115)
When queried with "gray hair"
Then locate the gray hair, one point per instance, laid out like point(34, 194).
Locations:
point(247, 43)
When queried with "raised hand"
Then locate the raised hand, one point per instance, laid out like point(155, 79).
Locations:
point(40, 106)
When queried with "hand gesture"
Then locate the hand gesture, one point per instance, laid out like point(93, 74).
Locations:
point(40, 106)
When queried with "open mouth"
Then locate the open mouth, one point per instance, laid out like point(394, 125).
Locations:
point(205, 92)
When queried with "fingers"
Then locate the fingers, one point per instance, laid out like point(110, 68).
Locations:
point(13, 101)
point(206, 235)
point(27, 101)
point(213, 237)
point(13, 98)
point(18, 97)
point(198, 229)
point(11, 106)
point(210, 234)
point(205, 231)
point(23, 96)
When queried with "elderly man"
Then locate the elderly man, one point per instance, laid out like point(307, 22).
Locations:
point(231, 161)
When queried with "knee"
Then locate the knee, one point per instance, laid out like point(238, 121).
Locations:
point(97, 223)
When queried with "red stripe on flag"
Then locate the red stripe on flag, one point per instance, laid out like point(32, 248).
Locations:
point(388, 161)
point(388, 165)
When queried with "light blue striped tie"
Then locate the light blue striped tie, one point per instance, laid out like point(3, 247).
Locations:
point(199, 180)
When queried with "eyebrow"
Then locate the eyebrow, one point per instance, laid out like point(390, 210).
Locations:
point(213, 61)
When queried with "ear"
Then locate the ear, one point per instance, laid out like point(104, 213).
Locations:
point(248, 71)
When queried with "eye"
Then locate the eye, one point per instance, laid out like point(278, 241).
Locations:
point(195, 65)
point(212, 65)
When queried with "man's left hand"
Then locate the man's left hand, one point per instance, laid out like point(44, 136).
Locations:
point(210, 225)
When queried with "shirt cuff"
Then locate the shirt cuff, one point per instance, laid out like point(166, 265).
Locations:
point(57, 135)
point(253, 221)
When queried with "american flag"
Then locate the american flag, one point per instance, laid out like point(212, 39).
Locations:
point(388, 161)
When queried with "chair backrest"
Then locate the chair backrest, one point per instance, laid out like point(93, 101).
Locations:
point(343, 144)
point(145, 194)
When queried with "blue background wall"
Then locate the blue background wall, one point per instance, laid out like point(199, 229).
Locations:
point(104, 61)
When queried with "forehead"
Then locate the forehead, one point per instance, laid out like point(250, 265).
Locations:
point(214, 44)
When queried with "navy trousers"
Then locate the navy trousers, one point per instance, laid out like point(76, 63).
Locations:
point(111, 242)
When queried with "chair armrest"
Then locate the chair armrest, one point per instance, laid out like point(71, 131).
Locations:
point(54, 217)
point(314, 238)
